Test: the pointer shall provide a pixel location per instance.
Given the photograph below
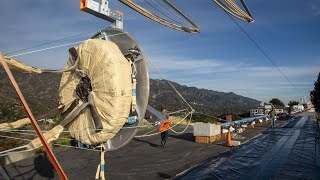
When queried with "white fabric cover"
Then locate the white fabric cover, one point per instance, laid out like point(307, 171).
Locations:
point(19, 66)
point(15, 125)
point(110, 75)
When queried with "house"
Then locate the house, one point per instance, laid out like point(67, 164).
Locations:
point(263, 108)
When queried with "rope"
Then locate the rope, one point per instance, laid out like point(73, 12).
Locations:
point(147, 135)
point(164, 78)
point(174, 112)
point(44, 49)
point(180, 122)
point(58, 46)
point(79, 130)
point(67, 146)
point(160, 3)
point(100, 169)
point(57, 40)
point(63, 138)
point(160, 11)
point(234, 10)
point(15, 138)
point(13, 149)
point(22, 133)
point(194, 28)
point(2, 154)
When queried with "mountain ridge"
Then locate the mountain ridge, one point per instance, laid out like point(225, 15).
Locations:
point(41, 92)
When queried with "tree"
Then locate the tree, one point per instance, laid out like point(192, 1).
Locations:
point(315, 94)
point(277, 103)
point(292, 103)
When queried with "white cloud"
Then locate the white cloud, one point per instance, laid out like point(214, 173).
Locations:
point(244, 79)
point(315, 6)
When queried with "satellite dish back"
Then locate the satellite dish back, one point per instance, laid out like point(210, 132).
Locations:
point(125, 42)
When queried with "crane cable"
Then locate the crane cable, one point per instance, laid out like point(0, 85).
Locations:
point(235, 10)
point(239, 10)
point(171, 11)
point(194, 29)
point(160, 11)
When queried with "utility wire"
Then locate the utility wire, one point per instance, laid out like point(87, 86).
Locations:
point(262, 51)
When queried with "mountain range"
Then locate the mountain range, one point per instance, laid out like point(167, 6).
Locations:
point(41, 92)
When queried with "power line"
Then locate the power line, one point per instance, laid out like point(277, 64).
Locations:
point(262, 51)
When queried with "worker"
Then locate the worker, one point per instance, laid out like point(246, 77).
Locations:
point(164, 134)
point(272, 118)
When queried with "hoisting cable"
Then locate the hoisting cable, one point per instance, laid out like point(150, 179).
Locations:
point(160, 11)
point(239, 11)
point(171, 11)
point(233, 9)
point(194, 29)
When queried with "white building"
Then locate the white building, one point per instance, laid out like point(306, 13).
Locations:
point(297, 108)
point(264, 108)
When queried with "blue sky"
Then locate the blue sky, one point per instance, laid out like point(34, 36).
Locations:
point(220, 58)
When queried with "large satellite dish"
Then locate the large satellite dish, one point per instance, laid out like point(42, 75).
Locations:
point(125, 41)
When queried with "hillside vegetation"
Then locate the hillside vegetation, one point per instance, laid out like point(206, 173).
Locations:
point(41, 92)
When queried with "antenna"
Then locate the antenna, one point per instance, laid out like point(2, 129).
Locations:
point(102, 10)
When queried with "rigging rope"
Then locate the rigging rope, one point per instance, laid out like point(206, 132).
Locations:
point(234, 10)
point(160, 11)
point(77, 130)
point(180, 122)
point(164, 78)
point(148, 135)
point(171, 11)
point(54, 47)
point(50, 42)
point(44, 49)
point(182, 110)
point(148, 14)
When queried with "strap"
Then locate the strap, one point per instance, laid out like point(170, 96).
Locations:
point(134, 87)
point(100, 169)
